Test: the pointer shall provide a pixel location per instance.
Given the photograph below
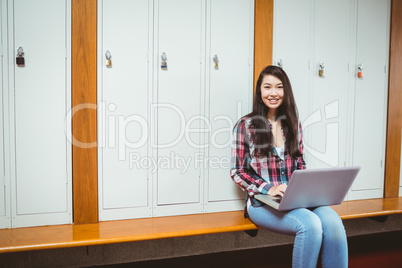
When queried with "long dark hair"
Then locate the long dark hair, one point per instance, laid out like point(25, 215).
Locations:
point(287, 114)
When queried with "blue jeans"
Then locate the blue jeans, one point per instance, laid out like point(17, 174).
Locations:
point(318, 229)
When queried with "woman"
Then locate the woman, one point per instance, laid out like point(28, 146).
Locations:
point(267, 147)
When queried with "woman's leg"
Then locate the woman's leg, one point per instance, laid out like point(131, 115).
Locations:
point(334, 252)
point(300, 222)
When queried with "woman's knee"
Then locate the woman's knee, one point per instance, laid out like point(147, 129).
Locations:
point(309, 223)
point(330, 220)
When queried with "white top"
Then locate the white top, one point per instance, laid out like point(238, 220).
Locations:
point(281, 151)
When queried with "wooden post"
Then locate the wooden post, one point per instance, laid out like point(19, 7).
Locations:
point(263, 35)
point(394, 123)
point(83, 64)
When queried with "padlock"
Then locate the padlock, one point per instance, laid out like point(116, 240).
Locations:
point(360, 71)
point(108, 61)
point(321, 73)
point(163, 61)
point(216, 61)
point(20, 61)
point(321, 68)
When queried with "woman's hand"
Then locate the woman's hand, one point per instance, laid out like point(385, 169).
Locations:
point(277, 190)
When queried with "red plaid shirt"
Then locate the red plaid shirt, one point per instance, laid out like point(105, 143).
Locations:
point(257, 175)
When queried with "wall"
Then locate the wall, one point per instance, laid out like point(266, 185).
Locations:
point(84, 92)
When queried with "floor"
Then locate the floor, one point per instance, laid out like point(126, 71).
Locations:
point(379, 250)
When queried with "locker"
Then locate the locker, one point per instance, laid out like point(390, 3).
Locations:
point(330, 93)
point(41, 154)
point(2, 158)
point(124, 190)
point(156, 68)
point(339, 125)
point(369, 114)
point(4, 176)
point(292, 47)
point(180, 35)
point(230, 94)
point(299, 48)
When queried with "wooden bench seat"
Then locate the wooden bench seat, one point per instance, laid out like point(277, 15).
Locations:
point(64, 236)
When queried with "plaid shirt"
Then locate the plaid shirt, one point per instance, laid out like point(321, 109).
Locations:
point(257, 175)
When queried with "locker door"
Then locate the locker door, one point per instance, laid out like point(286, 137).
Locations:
point(230, 93)
point(42, 194)
point(4, 188)
point(330, 93)
point(180, 31)
point(123, 177)
point(370, 97)
point(292, 47)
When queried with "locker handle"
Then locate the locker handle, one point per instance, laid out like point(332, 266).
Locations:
point(280, 63)
point(20, 52)
point(164, 57)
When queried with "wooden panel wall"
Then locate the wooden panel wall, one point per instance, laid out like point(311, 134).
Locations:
point(263, 39)
point(84, 122)
point(394, 125)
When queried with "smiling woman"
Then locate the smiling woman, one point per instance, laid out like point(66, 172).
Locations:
point(262, 163)
point(267, 143)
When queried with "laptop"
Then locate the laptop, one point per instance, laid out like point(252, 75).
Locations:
point(313, 188)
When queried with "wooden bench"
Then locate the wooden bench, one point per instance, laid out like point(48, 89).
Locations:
point(65, 236)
